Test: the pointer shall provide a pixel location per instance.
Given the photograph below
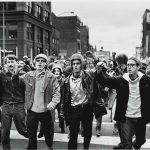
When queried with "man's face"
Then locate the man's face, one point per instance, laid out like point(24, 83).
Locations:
point(21, 64)
point(40, 63)
point(76, 66)
point(132, 67)
point(90, 63)
point(67, 63)
point(121, 67)
point(11, 64)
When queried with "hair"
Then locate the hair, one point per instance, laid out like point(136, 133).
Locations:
point(11, 57)
point(58, 67)
point(122, 58)
point(138, 63)
point(53, 71)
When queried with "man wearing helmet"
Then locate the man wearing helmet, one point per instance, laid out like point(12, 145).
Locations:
point(77, 96)
point(77, 101)
point(42, 94)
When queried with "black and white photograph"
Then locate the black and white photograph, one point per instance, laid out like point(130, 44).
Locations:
point(75, 74)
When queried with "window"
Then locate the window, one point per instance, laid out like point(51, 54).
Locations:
point(46, 37)
point(30, 31)
point(11, 5)
point(11, 23)
point(53, 42)
point(29, 7)
point(46, 2)
point(12, 34)
point(46, 16)
point(78, 46)
point(38, 11)
point(39, 50)
point(1, 32)
point(39, 35)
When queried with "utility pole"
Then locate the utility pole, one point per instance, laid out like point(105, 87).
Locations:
point(3, 34)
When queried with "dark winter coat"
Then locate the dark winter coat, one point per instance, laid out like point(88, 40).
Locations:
point(87, 84)
point(122, 88)
point(12, 89)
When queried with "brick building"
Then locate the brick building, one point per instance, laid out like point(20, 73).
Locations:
point(146, 34)
point(28, 28)
point(84, 36)
point(69, 28)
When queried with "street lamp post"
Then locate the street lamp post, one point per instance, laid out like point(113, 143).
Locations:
point(3, 47)
point(3, 34)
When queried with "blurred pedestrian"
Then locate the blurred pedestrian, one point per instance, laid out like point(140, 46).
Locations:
point(12, 98)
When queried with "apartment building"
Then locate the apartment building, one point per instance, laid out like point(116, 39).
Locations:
point(28, 28)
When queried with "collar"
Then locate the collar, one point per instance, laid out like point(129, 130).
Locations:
point(10, 74)
point(74, 78)
point(33, 73)
point(126, 76)
point(41, 74)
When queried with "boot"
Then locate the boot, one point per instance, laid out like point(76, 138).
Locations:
point(40, 135)
point(119, 146)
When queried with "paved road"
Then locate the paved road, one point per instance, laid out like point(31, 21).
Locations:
point(18, 142)
point(105, 141)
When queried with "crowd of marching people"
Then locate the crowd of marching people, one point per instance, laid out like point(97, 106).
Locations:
point(31, 92)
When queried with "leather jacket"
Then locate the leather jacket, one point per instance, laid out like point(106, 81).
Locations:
point(12, 89)
point(87, 84)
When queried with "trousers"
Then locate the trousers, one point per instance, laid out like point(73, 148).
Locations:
point(85, 116)
point(47, 124)
point(132, 126)
point(17, 113)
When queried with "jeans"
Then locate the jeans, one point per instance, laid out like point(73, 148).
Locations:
point(17, 113)
point(61, 119)
point(47, 124)
point(99, 123)
point(132, 126)
point(85, 115)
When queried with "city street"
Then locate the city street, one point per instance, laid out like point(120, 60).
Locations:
point(105, 141)
point(73, 55)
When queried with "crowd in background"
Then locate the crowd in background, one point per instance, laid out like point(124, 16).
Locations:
point(62, 70)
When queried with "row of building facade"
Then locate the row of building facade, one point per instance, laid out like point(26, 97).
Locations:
point(143, 51)
point(30, 28)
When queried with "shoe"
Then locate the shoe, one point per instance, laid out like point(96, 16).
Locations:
point(82, 134)
point(115, 131)
point(119, 146)
point(137, 145)
point(25, 134)
point(62, 130)
point(50, 148)
point(40, 135)
point(98, 132)
point(68, 135)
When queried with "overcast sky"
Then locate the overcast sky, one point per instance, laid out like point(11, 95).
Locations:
point(114, 24)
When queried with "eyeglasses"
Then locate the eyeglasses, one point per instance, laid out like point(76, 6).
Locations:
point(131, 65)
